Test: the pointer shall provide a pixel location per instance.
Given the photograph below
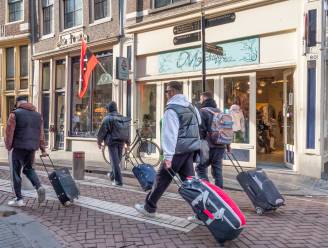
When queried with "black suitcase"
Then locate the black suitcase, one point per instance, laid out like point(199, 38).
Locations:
point(258, 187)
point(63, 184)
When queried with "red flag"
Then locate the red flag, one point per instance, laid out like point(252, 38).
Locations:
point(88, 62)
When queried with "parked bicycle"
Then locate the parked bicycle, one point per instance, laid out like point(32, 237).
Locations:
point(146, 151)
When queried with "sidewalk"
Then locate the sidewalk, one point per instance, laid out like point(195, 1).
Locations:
point(287, 181)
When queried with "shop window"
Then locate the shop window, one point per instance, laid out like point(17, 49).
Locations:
point(47, 16)
point(10, 104)
point(45, 76)
point(147, 109)
point(45, 115)
point(23, 60)
point(10, 68)
point(163, 3)
point(311, 104)
point(88, 112)
point(60, 74)
point(312, 28)
point(72, 13)
point(197, 89)
point(59, 120)
point(236, 102)
point(15, 10)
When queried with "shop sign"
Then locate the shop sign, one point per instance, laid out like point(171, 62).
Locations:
point(105, 78)
point(187, 38)
point(122, 68)
point(210, 48)
point(70, 39)
point(235, 53)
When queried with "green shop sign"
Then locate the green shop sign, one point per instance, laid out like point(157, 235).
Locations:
point(235, 53)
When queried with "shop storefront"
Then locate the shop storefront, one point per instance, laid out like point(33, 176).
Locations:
point(263, 78)
point(69, 119)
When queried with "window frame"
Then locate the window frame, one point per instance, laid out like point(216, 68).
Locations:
point(6, 71)
point(170, 5)
point(23, 77)
point(22, 2)
point(64, 16)
point(107, 18)
point(50, 21)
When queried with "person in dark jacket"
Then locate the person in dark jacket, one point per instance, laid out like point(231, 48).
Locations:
point(24, 136)
point(216, 151)
point(180, 139)
point(115, 147)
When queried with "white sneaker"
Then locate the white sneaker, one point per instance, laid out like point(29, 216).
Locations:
point(141, 209)
point(114, 183)
point(194, 219)
point(41, 194)
point(15, 203)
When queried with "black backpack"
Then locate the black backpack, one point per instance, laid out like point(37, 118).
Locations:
point(120, 128)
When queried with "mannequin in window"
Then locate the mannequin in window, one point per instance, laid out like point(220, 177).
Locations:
point(238, 121)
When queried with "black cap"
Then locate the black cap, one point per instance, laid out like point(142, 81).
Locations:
point(21, 98)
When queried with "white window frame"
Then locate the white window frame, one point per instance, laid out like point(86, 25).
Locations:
point(62, 11)
point(51, 34)
point(101, 20)
point(7, 13)
point(171, 5)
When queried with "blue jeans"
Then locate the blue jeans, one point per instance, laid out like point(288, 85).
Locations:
point(23, 159)
point(115, 153)
point(215, 160)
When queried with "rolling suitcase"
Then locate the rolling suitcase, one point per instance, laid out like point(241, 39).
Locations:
point(214, 207)
point(259, 188)
point(63, 184)
point(145, 175)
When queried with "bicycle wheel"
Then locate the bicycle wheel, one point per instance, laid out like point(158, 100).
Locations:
point(105, 154)
point(149, 153)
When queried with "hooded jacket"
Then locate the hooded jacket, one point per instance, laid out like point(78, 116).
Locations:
point(207, 119)
point(179, 137)
point(238, 118)
point(25, 129)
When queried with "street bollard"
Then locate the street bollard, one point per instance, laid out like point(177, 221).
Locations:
point(78, 165)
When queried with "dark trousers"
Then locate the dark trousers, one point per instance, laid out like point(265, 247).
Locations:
point(115, 153)
point(23, 159)
point(181, 164)
point(215, 160)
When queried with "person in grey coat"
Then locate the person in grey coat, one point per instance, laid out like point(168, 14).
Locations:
point(180, 140)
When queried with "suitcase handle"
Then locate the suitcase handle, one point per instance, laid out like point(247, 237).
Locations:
point(43, 156)
point(232, 158)
point(178, 181)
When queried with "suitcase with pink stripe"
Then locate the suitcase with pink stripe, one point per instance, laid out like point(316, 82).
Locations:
point(214, 207)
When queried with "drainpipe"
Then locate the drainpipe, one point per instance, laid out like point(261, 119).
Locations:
point(32, 18)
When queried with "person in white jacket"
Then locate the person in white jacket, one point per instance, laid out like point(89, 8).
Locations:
point(238, 123)
point(180, 140)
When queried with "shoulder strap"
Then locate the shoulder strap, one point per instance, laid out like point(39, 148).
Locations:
point(211, 111)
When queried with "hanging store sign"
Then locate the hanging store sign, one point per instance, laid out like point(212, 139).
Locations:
point(122, 68)
point(210, 48)
point(235, 53)
point(220, 20)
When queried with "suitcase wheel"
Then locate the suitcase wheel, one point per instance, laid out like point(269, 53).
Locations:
point(259, 210)
point(68, 203)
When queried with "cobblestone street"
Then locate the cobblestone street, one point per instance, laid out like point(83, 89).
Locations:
point(94, 222)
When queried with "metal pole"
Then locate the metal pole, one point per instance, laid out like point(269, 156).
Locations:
point(203, 46)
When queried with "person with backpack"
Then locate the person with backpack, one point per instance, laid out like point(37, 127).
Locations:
point(180, 140)
point(209, 130)
point(115, 133)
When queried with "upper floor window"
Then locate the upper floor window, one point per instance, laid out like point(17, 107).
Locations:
point(100, 9)
point(163, 3)
point(15, 10)
point(23, 60)
point(312, 28)
point(72, 13)
point(47, 16)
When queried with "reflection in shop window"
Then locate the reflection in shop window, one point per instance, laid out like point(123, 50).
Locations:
point(236, 102)
point(88, 112)
point(60, 74)
point(147, 109)
point(197, 89)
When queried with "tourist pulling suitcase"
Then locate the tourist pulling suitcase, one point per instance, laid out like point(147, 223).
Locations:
point(63, 184)
point(258, 187)
point(213, 206)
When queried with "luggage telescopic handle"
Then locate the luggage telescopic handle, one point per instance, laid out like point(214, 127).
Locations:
point(42, 156)
point(232, 157)
point(178, 181)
